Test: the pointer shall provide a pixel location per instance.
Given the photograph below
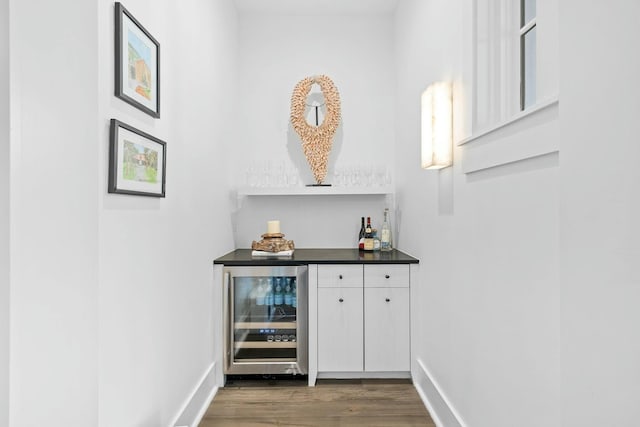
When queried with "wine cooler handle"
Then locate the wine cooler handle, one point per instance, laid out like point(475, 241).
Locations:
point(387, 299)
point(341, 300)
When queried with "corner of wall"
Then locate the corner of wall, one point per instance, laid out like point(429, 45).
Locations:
point(196, 405)
point(440, 409)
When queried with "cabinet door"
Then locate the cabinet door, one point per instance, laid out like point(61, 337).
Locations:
point(340, 323)
point(386, 329)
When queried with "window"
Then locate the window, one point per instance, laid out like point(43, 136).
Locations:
point(513, 76)
point(514, 68)
point(527, 53)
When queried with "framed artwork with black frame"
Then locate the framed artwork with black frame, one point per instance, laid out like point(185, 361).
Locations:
point(137, 162)
point(137, 63)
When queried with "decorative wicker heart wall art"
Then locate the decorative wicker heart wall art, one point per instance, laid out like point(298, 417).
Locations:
point(316, 140)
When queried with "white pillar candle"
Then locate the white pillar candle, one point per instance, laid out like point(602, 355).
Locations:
point(273, 227)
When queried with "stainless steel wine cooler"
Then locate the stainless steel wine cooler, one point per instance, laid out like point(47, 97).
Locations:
point(265, 320)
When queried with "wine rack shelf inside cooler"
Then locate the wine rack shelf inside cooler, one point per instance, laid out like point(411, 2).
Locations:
point(265, 325)
point(265, 344)
point(277, 341)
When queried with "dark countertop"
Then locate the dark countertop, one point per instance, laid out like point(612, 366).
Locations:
point(242, 257)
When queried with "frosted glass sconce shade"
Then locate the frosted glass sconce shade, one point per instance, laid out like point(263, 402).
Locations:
point(437, 126)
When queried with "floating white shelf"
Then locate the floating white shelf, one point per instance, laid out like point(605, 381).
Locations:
point(314, 191)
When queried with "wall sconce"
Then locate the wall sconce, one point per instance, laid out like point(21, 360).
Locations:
point(437, 126)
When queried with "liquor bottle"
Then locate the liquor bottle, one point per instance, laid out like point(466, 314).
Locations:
point(385, 237)
point(368, 236)
point(361, 235)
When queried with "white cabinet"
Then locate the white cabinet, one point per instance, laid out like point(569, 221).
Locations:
point(340, 323)
point(340, 318)
point(386, 330)
point(363, 318)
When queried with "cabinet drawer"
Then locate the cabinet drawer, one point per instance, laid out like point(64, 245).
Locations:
point(386, 275)
point(340, 276)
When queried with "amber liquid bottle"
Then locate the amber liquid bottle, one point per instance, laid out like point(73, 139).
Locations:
point(368, 236)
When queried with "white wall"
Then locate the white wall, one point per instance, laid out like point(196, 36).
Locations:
point(599, 213)
point(111, 316)
point(4, 212)
point(488, 320)
point(54, 226)
point(156, 309)
point(529, 277)
point(276, 52)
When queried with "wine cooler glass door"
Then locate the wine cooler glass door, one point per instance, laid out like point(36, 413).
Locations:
point(266, 320)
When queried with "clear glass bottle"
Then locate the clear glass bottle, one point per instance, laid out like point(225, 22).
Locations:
point(385, 233)
point(278, 296)
point(268, 299)
point(253, 295)
point(261, 292)
point(294, 294)
point(287, 291)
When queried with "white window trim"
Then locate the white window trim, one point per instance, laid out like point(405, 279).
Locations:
point(540, 106)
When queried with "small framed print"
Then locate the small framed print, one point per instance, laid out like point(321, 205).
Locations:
point(137, 63)
point(137, 162)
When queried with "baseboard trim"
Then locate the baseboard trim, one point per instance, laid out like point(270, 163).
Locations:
point(363, 375)
point(199, 400)
point(441, 410)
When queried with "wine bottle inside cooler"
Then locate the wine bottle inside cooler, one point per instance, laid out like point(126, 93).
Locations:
point(268, 299)
point(259, 312)
point(278, 295)
point(261, 292)
point(294, 294)
point(287, 291)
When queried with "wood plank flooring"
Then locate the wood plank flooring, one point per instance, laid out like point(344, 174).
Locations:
point(371, 403)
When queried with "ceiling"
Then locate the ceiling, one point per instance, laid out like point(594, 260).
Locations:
point(317, 7)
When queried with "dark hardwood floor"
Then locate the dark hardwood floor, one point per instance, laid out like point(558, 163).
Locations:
point(331, 403)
